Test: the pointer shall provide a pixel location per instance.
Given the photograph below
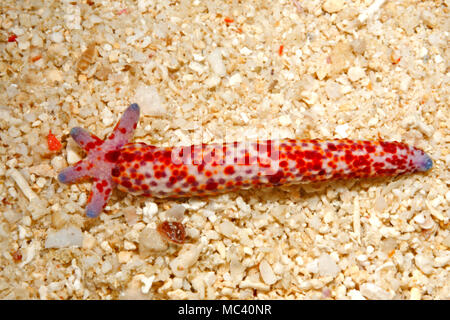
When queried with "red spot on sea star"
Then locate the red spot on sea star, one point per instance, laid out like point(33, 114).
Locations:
point(229, 170)
point(112, 156)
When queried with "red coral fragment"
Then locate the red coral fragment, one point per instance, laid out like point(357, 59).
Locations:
point(172, 231)
point(17, 256)
point(12, 38)
point(123, 11)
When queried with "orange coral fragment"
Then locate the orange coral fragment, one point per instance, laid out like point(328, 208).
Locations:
point(53, 142)
point(228, 20)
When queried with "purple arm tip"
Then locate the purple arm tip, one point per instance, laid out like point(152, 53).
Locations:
point(134, 107)
point(62, 177)
point(428, 163)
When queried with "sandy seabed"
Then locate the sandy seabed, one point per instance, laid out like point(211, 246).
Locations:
point(215, 71)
